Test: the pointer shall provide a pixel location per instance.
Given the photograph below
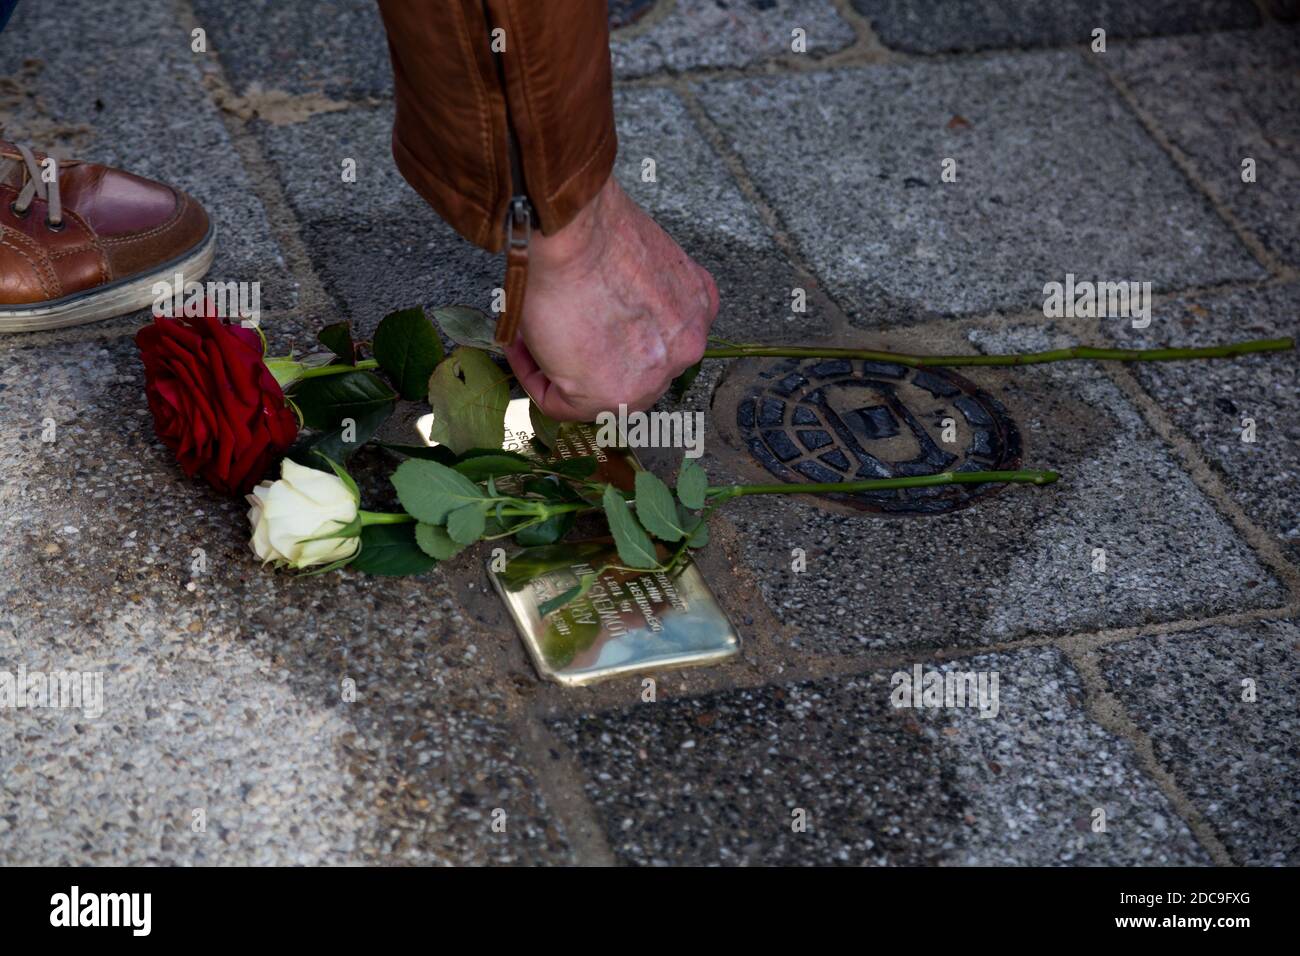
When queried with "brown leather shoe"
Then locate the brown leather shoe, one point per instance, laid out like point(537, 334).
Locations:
point(92, 243)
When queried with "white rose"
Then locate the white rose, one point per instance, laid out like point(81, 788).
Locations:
point(304, 503)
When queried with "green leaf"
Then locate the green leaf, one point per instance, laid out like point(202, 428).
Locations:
point(697, 529)
point(465, 525)
point(341, 473)
point(552, 489)
point(656, 509)
point(391, 549)
point(481, 467)
point(331, 443)
point(692, 482)
point(327, 400)
point(429, 491)
point(466, 325)
point(345, 441)
point(545, 429)
point(564, 597)
point(338, 339)
point(546, 532)
point(635, 549)
point(583, 467)
point(682, 383)
point(494, 528)
point(435, 542)
point(531, 563)
point(408, 349)
point(469, 394)
point(444, 456)
point(325, 569)
point(497, 452)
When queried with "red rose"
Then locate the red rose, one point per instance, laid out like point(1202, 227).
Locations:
point(214, 402)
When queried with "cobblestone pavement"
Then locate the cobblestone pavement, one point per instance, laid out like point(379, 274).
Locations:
point(1158, 696)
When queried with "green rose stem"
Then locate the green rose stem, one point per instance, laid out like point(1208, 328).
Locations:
point(725, 492)
point(288, 370)
point(383, 517)
point(1084, 352)
point(721, 493)
point(323, 370)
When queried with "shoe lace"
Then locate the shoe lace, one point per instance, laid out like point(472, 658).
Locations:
point(37, 187)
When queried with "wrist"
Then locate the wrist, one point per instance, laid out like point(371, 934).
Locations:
point(581, 238)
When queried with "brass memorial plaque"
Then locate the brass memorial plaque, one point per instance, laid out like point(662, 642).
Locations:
point(628, 621)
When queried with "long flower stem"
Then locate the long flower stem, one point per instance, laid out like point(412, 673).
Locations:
point(322, 370)
point(883, 484)
point(383, 517)
point(1026, 358)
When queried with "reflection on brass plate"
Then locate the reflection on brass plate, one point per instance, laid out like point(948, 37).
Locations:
point(628, 621)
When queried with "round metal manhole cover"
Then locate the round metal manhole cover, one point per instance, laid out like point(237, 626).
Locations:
point(824, 420)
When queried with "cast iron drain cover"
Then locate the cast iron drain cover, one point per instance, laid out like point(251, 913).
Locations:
point(845, 419)
point(625, 12)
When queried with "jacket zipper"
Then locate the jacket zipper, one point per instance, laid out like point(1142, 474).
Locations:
point(518, 229)
point(520, 213)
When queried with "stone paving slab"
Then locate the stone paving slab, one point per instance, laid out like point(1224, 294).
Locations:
point(1054, 176)
point(696, 34)
point(1208, 401)
point(1014, 565)
point(1234, 757)
point(261, 766)
point(226, 696)
point(697, 201)
point(376, 244)
point(1223, 98)
point(939, 26)
point(349, 227)
point(281, 46)
point(717, 779)
point(334, 47)
point(230, 692)
point(150, 115)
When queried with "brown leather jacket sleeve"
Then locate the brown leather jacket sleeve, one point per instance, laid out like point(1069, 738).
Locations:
point(459, 103)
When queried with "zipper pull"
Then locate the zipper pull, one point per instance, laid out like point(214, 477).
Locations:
point(519, 230)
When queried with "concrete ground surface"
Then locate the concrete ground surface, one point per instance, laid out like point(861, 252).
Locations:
point(1147, 712)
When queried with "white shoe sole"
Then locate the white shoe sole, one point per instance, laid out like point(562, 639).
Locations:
point(116, 298)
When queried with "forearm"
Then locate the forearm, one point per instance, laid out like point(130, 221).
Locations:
point(471, 74)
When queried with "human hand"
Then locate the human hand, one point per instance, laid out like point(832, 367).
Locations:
point(614, 311)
